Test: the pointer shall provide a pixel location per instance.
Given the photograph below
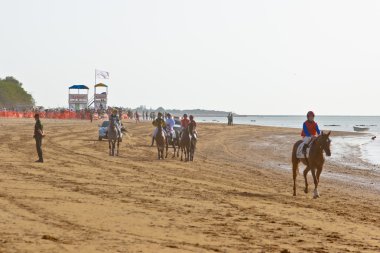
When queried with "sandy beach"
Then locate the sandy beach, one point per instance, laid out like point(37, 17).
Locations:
point(235, 197)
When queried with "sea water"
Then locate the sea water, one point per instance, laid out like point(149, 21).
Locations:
point(369, 149)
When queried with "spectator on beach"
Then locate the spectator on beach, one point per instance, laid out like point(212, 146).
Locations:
point(137, 116)
point(38, 135)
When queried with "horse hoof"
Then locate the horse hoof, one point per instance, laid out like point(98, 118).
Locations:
point(306, 190)
point(294, 194)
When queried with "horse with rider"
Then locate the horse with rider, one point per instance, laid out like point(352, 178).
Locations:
point(310, 151)
point(185, 139)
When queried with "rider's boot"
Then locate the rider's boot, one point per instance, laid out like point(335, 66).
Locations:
point(304, 149)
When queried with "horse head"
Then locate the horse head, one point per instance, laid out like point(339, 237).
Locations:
point(324, 142)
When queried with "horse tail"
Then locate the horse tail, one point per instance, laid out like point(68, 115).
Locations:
point(295, 160)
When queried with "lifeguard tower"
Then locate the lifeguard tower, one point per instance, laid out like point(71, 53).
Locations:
point(78, 97)
point(100, 96)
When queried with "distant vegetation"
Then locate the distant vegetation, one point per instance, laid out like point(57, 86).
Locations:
point(13, 95)
point(195, 112)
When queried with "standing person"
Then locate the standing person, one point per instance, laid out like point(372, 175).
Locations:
point(143, 115)
point(146, 115)
point(38, 135)
point(229, 119)
point(232, 119)
point(137, 116)
point(310, 130)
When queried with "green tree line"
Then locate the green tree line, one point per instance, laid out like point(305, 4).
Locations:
point(13, 95)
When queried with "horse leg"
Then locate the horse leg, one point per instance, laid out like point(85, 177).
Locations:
point(158, 152)
point(174, 147)
point(319, 171)
point(187, 154)
point(305, 176)
point(295, 172)
point(113, 147)
point(166, 147)
point(118, 144)
point(109, 147)
point(316, 193)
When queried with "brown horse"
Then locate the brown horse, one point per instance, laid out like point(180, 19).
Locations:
point(314, 163)
point(161, 143)
point(185, 144)
point(193, 146)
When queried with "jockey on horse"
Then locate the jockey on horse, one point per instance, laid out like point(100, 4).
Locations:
point(115, 119)
point(158, 122)
point(310, 131)
point(192, 127)
point(170, 127)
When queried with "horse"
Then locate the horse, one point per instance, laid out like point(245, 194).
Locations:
point(193, 145)
point(185, 144)
point(314, 163)
point(113, 137)
point(161, 143)
point(173, 141)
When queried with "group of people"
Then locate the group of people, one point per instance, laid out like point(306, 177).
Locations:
point(167, 125)
point(310, 129)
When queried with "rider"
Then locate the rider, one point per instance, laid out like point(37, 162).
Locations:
point(115, 118)
point(184, 123)
point(193, 127)
point(158, 122)
point(310, 130)
point(170, 125)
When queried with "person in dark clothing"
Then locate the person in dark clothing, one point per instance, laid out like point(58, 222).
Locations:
point(38, 135)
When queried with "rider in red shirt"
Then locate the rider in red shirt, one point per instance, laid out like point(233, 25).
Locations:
point(310, 130)
point(185, 121)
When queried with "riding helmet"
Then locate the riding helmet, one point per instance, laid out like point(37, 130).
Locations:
point(310, 113)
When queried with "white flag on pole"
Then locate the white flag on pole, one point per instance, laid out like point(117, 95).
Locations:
point(102, 74)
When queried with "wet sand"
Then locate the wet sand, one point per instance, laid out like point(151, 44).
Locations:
point(236, 196)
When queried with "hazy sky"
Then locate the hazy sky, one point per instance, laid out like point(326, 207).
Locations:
point(250, 57)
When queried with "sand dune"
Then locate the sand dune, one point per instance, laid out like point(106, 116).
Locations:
point(236, 196)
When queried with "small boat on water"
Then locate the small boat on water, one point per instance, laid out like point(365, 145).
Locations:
point(361, 129)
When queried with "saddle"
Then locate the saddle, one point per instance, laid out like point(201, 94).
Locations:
point(301, 154)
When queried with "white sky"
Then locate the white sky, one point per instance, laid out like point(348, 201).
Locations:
point(250, 57)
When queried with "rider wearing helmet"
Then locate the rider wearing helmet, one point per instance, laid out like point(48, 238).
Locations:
point(193, 127)
point(185, 121)
point(158, 122)
point(170, 122)
point(115, 118)
point(310, 130)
